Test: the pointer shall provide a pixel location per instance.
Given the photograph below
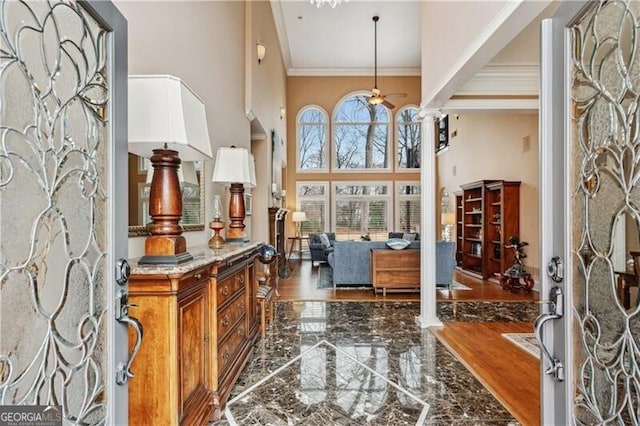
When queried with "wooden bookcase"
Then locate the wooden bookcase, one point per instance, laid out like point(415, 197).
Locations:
point(459, 216)
point(502, 221)
point(488, 213)
point(473, 227)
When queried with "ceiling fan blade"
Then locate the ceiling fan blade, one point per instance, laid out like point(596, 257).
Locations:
point(388, 104)
point(396, 95)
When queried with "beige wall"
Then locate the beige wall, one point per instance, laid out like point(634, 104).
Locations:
point(494, 146)
point(326, 92)
point(205, 44)
point(265, 96)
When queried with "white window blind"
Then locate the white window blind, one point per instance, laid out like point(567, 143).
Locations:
point(407, 207)
point(313, 199)
point(362, 209)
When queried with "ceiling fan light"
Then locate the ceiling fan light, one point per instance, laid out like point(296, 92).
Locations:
point(375, 100)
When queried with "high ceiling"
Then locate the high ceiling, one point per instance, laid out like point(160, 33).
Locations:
point(333, 42)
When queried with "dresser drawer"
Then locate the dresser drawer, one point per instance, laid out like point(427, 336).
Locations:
point(228, 316)
point(227, 287)
point(227, 351)
point(190, 278)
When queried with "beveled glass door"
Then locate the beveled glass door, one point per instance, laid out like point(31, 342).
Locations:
point(591, 211)
point(62, 155)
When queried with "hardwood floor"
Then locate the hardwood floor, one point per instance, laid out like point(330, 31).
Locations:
point(512, 375)
point(509, 373)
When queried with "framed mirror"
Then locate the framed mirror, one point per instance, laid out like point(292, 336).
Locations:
point(139, 188)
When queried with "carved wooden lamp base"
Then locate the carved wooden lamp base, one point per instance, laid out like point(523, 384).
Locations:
point(165, 246)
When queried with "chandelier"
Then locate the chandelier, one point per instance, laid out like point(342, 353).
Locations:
point(332, 3)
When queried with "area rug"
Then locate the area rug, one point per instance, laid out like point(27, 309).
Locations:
point(525, 341)
point(325, 276)
point(325, 280)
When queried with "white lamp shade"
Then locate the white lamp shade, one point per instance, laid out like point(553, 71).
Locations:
point(299, 217)
point(448, 218)
point(162, 109)
point(186, 172)
point(234, 165)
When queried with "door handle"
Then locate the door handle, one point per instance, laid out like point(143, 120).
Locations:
point(123, 371)
point(556, 369)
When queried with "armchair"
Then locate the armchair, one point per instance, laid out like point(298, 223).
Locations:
point(318, 249)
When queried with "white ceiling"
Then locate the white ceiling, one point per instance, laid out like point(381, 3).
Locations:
point(336, 42)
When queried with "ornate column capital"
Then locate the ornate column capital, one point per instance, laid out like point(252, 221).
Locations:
point(429, 113)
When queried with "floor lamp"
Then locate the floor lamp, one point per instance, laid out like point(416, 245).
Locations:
point(167, 124)
point(236, 169)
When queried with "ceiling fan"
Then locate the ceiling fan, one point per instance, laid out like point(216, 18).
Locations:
point(376, 97)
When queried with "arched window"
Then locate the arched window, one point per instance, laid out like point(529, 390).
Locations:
point(361, 135)
point(408, 138)
point(312, 140)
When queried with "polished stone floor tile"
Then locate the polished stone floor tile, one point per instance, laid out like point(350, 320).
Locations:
point(340, 363)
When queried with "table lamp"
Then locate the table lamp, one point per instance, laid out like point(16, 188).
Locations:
point(235, 168)
point(447, 220)
point(167, 123)
point(298, 218)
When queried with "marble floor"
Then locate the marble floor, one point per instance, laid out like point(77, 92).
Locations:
point(339, 363)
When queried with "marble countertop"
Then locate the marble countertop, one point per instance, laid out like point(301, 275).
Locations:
point(202, 255)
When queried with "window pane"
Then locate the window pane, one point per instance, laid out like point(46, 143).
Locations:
point(362, 210)
point(313, 200)
point(361, 135)
point(409, 136)
point(408, 207)
point(360, 146)
point(357, 109)
point(312, 151)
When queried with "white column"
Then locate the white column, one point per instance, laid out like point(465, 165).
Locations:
point(428, 236)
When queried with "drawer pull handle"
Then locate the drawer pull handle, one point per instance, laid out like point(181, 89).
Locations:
point(197, 276)
point(225, 290)
point(240, 331)
point(225, 321)
point(241, 279)
point(225, 354)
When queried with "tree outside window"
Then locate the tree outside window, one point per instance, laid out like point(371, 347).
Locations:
point(313, 199)
point(312, 140)
point(408, 138)
point(361, 137)
point(362, 209)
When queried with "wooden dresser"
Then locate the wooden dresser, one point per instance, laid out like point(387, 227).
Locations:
point(395, 270)
point(200, 325)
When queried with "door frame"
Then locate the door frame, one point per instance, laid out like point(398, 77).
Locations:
point(106, 13)
point(556, 398)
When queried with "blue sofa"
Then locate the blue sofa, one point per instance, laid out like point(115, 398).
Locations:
point(351, 262)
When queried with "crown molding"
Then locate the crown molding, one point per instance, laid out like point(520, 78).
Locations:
point(348, 72)
point(488, 104)
point(503, 80)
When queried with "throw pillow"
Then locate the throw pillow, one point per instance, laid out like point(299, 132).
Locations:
point(409, 237)
point(325, 240)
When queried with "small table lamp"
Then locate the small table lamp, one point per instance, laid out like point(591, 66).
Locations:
point(447, 219)
point(298, 218)
point(167, 121)
point(235, 168)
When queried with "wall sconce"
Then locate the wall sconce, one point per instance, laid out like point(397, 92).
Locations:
point(260, 51)
point(168, 124)
point(283, 113)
